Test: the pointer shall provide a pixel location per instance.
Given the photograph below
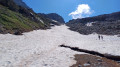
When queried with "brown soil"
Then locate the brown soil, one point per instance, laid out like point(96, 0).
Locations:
point(86, 60)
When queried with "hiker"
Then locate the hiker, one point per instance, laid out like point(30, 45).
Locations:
point(99, 37)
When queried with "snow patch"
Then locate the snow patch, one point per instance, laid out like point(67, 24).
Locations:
point(89, 24)
point(54, 21)
point(40, 20)
point(39, 48)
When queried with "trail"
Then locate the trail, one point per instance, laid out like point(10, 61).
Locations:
point(40, 48)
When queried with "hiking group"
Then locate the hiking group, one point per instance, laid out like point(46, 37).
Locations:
point(100, 37)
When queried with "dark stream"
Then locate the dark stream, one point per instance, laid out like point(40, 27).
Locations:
point(108, 56)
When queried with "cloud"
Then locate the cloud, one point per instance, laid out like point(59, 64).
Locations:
point(83, 10)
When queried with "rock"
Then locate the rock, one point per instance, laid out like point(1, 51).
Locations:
point(45, 64)
point(99, 60)
point(8, 62)
point(18, 33)
point(54, 17)
point(21, 3)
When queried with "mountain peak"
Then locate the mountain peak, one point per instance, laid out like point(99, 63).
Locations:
point(53, 16)
point(21, 3)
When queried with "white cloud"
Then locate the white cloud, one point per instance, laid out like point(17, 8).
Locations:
point(83, 10)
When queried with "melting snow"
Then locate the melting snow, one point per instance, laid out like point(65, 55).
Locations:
point(90, 23)
point(54, 21)
point(40, 48)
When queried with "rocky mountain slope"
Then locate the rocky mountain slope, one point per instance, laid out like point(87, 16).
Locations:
point(21, 3)
point(15, 17)
point(53, 16)
point(108, 24)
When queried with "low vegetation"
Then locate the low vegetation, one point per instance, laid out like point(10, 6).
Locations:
point(11, 22)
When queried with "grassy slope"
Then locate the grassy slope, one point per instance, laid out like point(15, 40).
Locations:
point(12, 21)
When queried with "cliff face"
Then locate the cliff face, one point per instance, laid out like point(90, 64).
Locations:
point(103, 24)
point(56, 17)
point(21, 3)
point(53, 16)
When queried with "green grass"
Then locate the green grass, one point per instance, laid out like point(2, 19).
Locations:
point(12, 20)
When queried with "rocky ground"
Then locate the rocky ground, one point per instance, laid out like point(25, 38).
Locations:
point(40, 48)
point(86, 60)
point(107, 24)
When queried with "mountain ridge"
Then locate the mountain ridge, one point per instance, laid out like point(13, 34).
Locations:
point(16, 19)
point(53, 16)
point(108, 24)
point(21, 3)
point(108, 17)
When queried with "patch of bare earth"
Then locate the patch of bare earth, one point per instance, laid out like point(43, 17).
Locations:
point(86, 60)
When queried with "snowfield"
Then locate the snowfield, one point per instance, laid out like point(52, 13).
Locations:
point(40, 48)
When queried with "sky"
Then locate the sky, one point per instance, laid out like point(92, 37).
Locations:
point(73, 9)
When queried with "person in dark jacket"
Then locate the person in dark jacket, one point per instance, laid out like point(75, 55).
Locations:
point(99, 37)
